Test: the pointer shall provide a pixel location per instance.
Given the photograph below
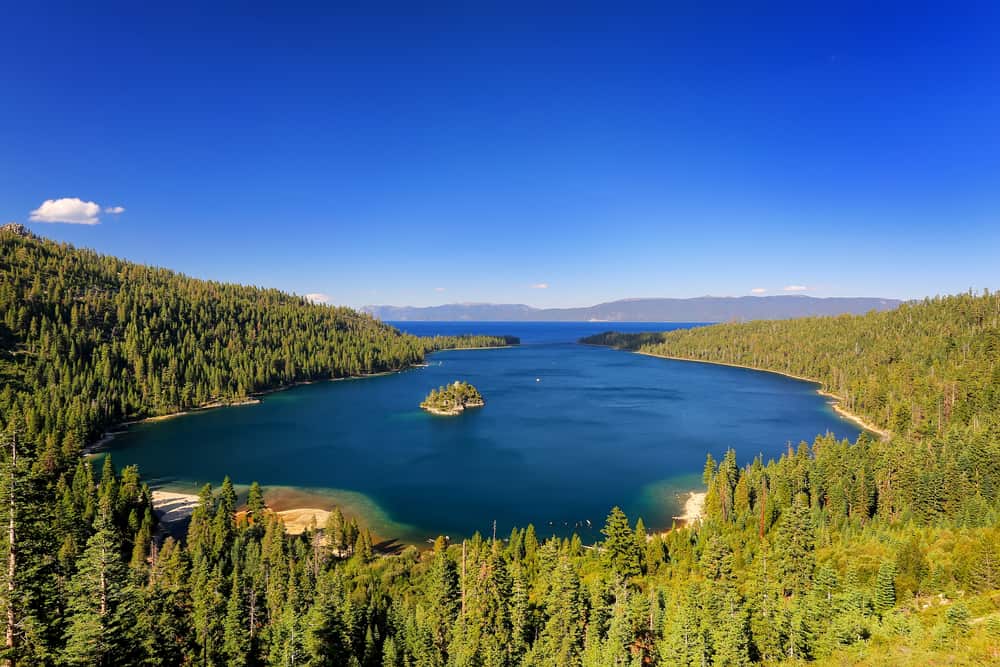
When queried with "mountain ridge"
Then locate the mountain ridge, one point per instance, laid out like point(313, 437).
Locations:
point(644, 309)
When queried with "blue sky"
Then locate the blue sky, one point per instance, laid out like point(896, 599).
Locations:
point(558, 156)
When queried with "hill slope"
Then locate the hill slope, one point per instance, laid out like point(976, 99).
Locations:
point(886, 552)
point(88, 340)
point(916, 370)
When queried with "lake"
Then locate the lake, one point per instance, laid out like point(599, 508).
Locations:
point(568, 431)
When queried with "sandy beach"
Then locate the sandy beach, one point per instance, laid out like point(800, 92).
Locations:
point(298, 520)
point(173, 510)
point(694, 508)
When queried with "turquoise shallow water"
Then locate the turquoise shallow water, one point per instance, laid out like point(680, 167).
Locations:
point(568, 431)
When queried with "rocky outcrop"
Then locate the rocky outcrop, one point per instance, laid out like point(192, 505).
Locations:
point(17, 229)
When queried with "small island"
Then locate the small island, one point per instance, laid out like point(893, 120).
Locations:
point(453, 399)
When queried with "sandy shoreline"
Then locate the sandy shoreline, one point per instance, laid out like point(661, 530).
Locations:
point(173, 510)
point(298, 520)
point(694, 508)
point(836, 402)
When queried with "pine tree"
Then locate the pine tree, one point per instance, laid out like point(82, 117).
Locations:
point(255, 503)
point(800, 634)
point(13, 469)
point(794, 549)
point(102, 604)
point(709, 473)
point(957, 619)
point(165, 622)
point(520, 620)
point(685, 641)
point(563, 632)
point(223, 531)
point(208, 607)
point(326, 640)
point(288, 636)
point(885, 588)
point(236, 644)
point(335, 532)
point(641, 540)
point(619, 552)
point(442, 595)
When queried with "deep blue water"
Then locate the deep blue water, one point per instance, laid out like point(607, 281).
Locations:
point(568, 431)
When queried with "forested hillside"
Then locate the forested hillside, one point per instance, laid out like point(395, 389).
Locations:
point(928, 372)
point(876, 552)
point(88, 340)
point(916, 370)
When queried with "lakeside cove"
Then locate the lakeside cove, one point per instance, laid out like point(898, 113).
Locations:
point(254, 398)
point(570, 431)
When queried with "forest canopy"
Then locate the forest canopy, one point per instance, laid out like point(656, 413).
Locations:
point(873, 552)
point(88, 341)
point(452, 399)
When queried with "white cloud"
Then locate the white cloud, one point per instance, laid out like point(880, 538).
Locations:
point(68, 209)
point(114, 210)
point(438, 289)
point(319, 297)
point(758, 290)
point(795, 288)
point(540, 286)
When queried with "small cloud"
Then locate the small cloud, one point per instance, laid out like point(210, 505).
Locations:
point(758, 290)
point(319, 297)
point(68, 209)
point(114, 210)
point(438, 289)
point(540, 286)
point(795, 288)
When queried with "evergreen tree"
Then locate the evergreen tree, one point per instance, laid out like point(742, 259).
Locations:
point(794, 549)
point(164, 622)
point(619, 552)
point(326, 640)
point(255, 503)
point(236, 644)
point(102, 605)
point(442, 598)
point(885, 588)
point(335, 532)
point(563, 632)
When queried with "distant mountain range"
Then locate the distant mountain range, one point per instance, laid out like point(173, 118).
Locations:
point(699, 309)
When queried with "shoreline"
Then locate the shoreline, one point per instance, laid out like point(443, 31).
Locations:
point(451, 412)
point(481, 347)
point(173, 510)
point(836, 402)
point(254, 398)
point(694, 508)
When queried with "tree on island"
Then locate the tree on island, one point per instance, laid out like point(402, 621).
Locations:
point(453, 399)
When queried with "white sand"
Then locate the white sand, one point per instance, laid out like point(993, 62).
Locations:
point(173, 508)
point(298, 520)
point(694, 508)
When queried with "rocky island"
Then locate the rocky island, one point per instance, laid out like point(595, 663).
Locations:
point(452, 399)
